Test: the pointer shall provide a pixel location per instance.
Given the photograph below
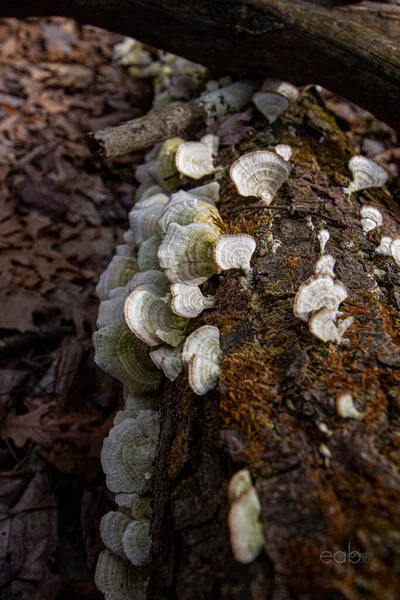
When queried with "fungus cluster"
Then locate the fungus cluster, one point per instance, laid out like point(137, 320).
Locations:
point(366, 174)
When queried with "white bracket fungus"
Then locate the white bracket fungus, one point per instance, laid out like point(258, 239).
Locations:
point(143, 218)
point(322, 324)
point(234, 252)
point(284, 150)
point(185, 208)
point(345, 407)
point(147, 253)
point(168, 359)
point(318, 292)
point(195, 159)
point(324, 266)
point(167, 174)
point(120, 270)
point(270, 104)
point(136, 542)
point(284, 88)
point(260, 173)
point(188, 301)
point(245, 526)
point(366, 174)
point(231, 98)
point(323, 237)
point(395, 250)
point(238, 484)
point(118, 579)
point(384, 247)
point(371, 218)
point(201, 355)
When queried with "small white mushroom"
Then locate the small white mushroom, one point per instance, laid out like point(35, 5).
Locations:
point(323, 236)
point(284, 150)
point(238, 484)
point(201, 355)
point(281, 87)
point(322, 324)
point(151, 319)
point(188, 301)
point(245, 526)
point(168, 359)
point(234, 252)
point(136, 542)
point(195, 159)
point(260, 173)
point(384, 247)
point(324, 266)
point(371, 218)
point(318, 292)
point(366, 174)
point(345, 407)
point(270, 104)
point(395, 250)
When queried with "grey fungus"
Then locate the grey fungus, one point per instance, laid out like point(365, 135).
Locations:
point(318, 292)
point(245, 526)
point(188, 301)
point(201, 355)
point(195, 159)
point(260, 173)
point(384, 247)
point(345, 407)
point(323, 237)
point(324, 266)
point(284, 88)
point(324, 326)
point(395, 250)
point(284, 150)
point(234, 252)
point(366, 174)
point(371, 218)
point(118, 579)
point(270, 104)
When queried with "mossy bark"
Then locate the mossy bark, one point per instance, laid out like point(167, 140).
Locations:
point(274, 410)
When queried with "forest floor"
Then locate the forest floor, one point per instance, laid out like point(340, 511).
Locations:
point(61, 214)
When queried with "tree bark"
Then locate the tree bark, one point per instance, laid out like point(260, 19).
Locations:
point(325, 482)
point(288, 39)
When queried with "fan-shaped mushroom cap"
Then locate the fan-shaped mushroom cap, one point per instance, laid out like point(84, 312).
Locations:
point(323, 236)
point(147, 254)
point(384, 246)
point(169, 360)
point(143, 218)
point(195, 159)
point(208, 192)
point(127, 459)
point(318, 292)
point(151, 319)
point(231, 98)
point(284, 150)
point(142, 193)
point(345, 407)
point(137, 543)
point(234, 251)
point(281, 87)
point(135, 403)
point(188, 301)
point(148, 422)
point(238, 484)
point(201, 354)
point(153, 277)
point(119, 271)
point(117, 579)
point(167, 173)
point(185, 208)
point(270, 104)
point(126, 358)
point(366, 174)
point(260, 173)
point(371, 218)
point(324, 266)
point(125, 250)
point(111, 311)
point(140, 506)
point(395, 250)
point(186, 253)
point(245, 527)
point(323, 326)
point(212, 141)
point(112, 528)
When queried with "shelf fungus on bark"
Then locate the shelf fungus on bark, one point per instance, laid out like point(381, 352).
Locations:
point(147, 253)
point(229, 99)
point(324, 326)
point(345, 407)
point(149, 316)
point(195, 159)
point(318, 292)
point(238, 484)
point(139, 507)
point(185, 208)
point(270, 104)
point(209, 192)
point(136, 543)
point(323, 237)
point(246, 527)
point(169, 359)
point(118, 579)
point(260, 173)
point(126, 358)
point(188, 301)
point(186, 253)
point(234, 252)
point(201, 355)
point(112, 528)
point(144, 216)
point(127, 458)
point(371, 218)
point(284, 88)
point(324, 266)
point(395, 250)
point(112, 310)
point(285, 151)
point(152, 277)
point(366, 174)
point(120, 270)
point(167, 174)
point(384, 246)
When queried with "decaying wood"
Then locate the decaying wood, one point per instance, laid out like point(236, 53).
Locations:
point(326, 483)
point(292, 40)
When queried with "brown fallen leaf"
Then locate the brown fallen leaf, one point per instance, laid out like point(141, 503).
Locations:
point(45, 425)
point(12, 544)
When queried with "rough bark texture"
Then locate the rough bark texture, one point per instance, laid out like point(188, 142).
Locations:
point(293, 40)
point(278, 384)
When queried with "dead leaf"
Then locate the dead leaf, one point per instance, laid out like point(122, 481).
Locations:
point(12, 544)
